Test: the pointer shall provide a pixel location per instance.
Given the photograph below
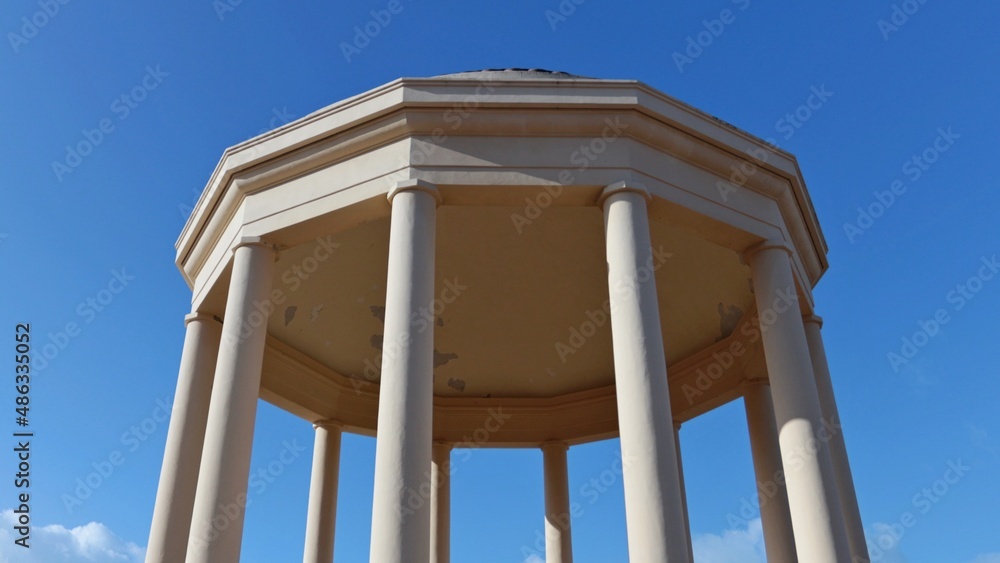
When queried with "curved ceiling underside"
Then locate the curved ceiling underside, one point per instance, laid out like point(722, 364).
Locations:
point(520, 312)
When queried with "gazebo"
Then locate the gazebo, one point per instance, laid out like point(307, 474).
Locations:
point(504, 258)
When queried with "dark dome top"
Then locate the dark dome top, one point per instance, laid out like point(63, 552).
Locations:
point(513, 74)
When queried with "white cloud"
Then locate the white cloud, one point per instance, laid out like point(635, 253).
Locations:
point(733, 546)
point(981, 439)
point(987, 558)
point(920, 374)
point(534, 559)
point(90, 543)
point(883, 542)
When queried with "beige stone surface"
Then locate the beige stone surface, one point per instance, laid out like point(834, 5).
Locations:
point(444, 257)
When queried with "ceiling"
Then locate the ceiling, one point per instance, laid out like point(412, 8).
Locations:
point(520, 311)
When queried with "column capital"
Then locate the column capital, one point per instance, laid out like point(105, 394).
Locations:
point(328, 423)
point(815, 319)
point(255, 241)
point(197, 316)
point(623, 186)
point(415, 185)
point(771, 244)
point(556, 445)
point(677, 426)
point(443, 444)
point(754, 381)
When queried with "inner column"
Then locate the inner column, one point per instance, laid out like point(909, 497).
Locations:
point(838, 448)
point(321, 517)
point(441, 503)
point(779, 540)
point(558, 540)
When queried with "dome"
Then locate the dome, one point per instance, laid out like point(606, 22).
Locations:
point(513, 74)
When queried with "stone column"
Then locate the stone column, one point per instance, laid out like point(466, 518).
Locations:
point(321, 519)
point(779, 541)
point(185, 437)
point(217, 523)
point(819, 531)
point(838, 449)
point(558, 540)
point(684, 501)
point(441, 503)
point(654, 510)
point(401, 515)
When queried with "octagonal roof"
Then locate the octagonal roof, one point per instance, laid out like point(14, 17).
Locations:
point(490, 74)
point(500, 144)
point(779, 177)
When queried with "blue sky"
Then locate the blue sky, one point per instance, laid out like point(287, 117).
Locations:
point(101, 227)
